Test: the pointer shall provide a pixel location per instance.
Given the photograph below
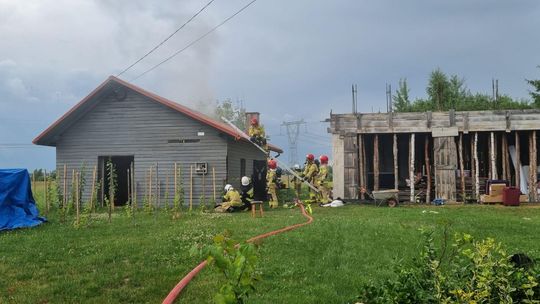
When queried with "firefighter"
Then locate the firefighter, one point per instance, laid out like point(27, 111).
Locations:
point(271, 183)
point(297, 183)
point(246, 192)
point(309, 174)
point(320, 181)
point(231, 200)
point(256, 133)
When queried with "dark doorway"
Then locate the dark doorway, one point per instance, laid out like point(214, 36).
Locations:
point(259, 180)
point(121, 164)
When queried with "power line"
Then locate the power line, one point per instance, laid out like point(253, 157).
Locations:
point(168, 37)
point(195, 41)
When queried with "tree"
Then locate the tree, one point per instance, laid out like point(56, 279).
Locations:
point(438, 89)
point(401, 99)
point(235, 113)
point(536, 93)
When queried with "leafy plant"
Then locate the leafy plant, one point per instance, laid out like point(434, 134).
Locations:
point(202, 203)
point(113, 184)
point(236, 263)
point(470, 271)
point(178, 202)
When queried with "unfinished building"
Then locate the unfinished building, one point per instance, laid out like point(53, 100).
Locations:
point(446, 155)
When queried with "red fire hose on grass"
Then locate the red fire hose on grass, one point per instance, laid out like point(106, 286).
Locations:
point(175, 292)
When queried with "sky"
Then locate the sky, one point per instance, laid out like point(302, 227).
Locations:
point(288, 60)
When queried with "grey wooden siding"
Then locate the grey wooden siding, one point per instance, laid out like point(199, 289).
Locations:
point(141, 127)
point(236, 151)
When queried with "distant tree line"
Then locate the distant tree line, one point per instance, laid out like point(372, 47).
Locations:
point(450, 92)
point(39, 175)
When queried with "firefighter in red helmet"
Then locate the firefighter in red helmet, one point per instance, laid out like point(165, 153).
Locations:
point(320, 181)
point(309, 174)
point(271, 183)
point(256, 133)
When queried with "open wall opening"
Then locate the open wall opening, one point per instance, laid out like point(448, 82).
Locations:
point(121, 164)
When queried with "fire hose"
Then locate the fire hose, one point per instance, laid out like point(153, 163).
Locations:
point(175, 292)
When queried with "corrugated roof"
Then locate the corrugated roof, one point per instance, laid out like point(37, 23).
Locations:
point(82, 106)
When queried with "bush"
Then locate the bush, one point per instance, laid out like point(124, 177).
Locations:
point(468, 271)
point(237, 263)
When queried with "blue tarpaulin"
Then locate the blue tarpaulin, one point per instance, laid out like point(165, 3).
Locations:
point(17, 206)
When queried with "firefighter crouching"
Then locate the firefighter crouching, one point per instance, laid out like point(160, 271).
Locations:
point(232, 200)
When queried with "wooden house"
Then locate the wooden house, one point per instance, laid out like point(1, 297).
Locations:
point(148, 135)
point(448, 155)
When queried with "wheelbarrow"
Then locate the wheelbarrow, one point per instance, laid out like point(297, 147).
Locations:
point(388, 197)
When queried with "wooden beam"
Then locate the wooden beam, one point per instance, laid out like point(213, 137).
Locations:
point(411, 168)
point(376, 162)
point(466, 123)
point(533, 194)
point(476, 168)
point(396, 168)
point(504, 157)
point(518, 161)
point(492, 164)
point(428, 169)
point(461, 168)
point(361, 167)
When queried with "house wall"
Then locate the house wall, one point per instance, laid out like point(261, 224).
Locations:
point(141, 127)
point(236, 151)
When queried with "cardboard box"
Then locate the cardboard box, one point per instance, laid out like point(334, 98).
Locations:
point(496, 189)
point(523, 198)
point(491, 199)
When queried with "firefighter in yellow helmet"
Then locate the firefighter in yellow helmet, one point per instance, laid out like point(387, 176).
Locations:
point(321, 182)
point(271, 183)
point(309, 174)
point(256, 133)
point(231, 200)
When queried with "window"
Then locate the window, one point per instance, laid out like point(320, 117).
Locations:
point(242, 167)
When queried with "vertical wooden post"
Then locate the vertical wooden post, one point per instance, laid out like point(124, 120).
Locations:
point(92, 190)
point(533, 192)
point(518, 161)
point(133, 187)
point(33, 182)
point(396, 168)
point(411, 168)
point(77, 198)
point(214, 184)
point(376, 162)
point(361, 167)
point(504, 154)
point(476, 168)
point(64, 200)
point(150, 198)
point(461, 169)
point(158, 188)
point(428, 169)
point(167, 194)
point(175, 178)
point(492, 164)
point(204, 188)
point(46, 192)
point(129, 185)
point(190, 188)
point(102, 184)
point(73, 185)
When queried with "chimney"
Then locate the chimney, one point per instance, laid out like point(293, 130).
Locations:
point(249, 116)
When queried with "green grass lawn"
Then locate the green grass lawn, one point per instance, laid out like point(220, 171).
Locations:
point(138, 260)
